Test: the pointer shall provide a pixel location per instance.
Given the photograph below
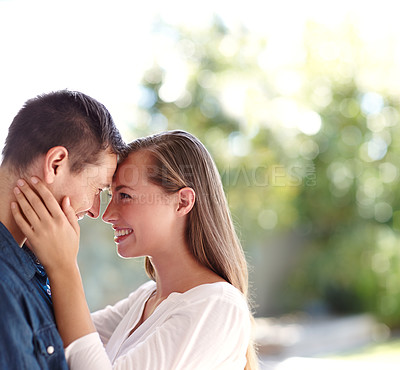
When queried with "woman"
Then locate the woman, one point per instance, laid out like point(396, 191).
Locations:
point(167, 204)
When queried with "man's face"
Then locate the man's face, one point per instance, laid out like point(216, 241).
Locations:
point(84, 187)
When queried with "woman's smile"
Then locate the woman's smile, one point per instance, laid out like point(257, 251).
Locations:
point(121, 234)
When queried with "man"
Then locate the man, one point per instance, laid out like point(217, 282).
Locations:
point(70, 141)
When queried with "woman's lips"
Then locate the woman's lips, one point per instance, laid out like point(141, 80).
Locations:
point(121, 234)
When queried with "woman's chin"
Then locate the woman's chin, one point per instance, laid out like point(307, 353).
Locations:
point(124, 252)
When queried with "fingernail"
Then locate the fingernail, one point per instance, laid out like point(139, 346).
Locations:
point(17, 191)
point(20, 182)
point(13, 205)
point(67, 201)
point(34, 180)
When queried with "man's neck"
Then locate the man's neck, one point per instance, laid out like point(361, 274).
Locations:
point(7, 183)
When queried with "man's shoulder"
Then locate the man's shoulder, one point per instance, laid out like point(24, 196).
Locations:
point(13, 259)
point(11, 281)
point(16, 270)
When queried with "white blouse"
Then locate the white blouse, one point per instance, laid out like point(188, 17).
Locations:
point(207, 327)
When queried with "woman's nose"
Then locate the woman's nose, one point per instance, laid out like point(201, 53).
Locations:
point(109, 214)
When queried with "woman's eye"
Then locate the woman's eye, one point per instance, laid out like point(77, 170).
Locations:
point(124, 196)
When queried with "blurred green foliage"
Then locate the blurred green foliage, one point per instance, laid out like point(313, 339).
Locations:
point(338, 185)
point(303, 149)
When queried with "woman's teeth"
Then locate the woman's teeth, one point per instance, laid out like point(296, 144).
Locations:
point(122, 232)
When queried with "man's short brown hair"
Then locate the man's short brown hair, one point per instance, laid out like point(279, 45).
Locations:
point(62, 118)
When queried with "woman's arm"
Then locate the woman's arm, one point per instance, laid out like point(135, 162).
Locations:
point(70, 307)
point(53, 233)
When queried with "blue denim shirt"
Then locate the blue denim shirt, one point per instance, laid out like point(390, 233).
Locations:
point(28, 335)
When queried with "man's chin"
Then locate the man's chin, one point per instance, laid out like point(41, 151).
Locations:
point(80, 216)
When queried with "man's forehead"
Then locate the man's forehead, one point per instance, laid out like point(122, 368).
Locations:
point(101, 175)
point(100, 170)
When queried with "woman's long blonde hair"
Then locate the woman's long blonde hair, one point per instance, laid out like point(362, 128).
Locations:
point(180, 160)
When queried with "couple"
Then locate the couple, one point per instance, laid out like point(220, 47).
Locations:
point(167, 203)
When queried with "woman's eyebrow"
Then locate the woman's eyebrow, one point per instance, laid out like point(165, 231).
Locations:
point(119, 187)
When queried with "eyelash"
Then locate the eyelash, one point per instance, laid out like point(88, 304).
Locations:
point(124, 196)
point(120, 196)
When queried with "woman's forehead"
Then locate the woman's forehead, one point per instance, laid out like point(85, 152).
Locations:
point(133, 170)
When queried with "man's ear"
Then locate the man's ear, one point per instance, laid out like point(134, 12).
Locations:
point(186, 199)
point(56, 161)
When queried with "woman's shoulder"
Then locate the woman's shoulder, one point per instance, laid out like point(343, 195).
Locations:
point(220, 288)
point(149, 285)
point(219, 305)
point(219, 293)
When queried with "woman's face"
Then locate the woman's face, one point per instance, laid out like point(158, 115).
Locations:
point(142, 215)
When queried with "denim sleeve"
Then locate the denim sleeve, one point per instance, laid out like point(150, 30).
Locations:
point(25, 342)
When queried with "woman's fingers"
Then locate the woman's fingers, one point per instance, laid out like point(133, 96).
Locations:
point(21, 221)
point(35, 203)
point(53, 234)
point(48, 198)
point(39, 208)
point(71, 215)
point(25, 205)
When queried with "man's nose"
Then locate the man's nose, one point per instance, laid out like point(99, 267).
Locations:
point(94, 211)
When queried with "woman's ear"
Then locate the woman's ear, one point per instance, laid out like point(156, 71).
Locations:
point(56, 160)
point(186, 199)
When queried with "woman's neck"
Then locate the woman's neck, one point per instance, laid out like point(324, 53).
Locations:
point(181, 273)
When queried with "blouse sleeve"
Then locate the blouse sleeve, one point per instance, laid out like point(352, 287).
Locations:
point(88, 353)
point(107, 319)
point(207, 334)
